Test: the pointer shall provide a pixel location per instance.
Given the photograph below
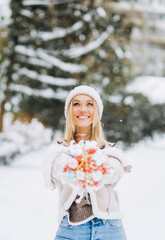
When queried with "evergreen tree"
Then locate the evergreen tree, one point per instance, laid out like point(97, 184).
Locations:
point(59, 45)
point(4, 60)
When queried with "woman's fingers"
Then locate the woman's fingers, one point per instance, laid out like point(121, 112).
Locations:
point(128, 168)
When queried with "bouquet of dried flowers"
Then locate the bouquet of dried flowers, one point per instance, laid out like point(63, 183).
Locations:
point(86, 166)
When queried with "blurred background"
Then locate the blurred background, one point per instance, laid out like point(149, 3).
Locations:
point(47, 47)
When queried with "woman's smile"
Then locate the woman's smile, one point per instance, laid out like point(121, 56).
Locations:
point(83, 117)
point(83, 112)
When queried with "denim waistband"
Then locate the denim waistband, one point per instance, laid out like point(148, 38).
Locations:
point(98, 220)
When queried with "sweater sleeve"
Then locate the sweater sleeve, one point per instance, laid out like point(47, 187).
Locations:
point(51, 158)
point(117, 163)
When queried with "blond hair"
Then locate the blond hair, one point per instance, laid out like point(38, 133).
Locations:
point(96, 133)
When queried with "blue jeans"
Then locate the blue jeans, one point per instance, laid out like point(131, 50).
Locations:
point(95, 229)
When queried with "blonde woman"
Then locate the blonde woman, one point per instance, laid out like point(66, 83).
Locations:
point(96, 216)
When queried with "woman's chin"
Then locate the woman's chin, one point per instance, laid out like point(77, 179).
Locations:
point(83, 124)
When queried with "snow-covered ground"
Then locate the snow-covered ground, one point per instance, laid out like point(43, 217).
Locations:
point(29, 211)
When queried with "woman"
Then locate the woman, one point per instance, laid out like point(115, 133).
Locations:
point(97, 215)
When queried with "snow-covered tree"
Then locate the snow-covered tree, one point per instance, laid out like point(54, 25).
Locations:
point(132, 116)
point(59, 44)
point(4, 22)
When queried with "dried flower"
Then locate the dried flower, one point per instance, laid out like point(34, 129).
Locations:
point(73, 163)
point(97, 175)
point(87, 167)
point(80, 175)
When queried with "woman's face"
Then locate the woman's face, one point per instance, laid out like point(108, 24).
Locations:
point(83, 110)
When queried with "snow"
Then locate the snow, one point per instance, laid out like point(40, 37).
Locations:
point(87, 17)
point(78, 51)
point(5, 12)
point(24, 214)
point(113, 98)
point(20, 138)
point(25, 51)
point(44, 93)
point(30, 210)
point(38, 62)
point(151, 87)
point(58, 32)
point(48, 79)
point(67, 67)
point(157, 24)
point(146, 7)
point(144, 196)
point(101, 12)
point(129, 101)
point(45, 3)
point(119, 52)
point(36, 2)
point(26, 13)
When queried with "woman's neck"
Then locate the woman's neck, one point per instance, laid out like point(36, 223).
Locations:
point(78, 136)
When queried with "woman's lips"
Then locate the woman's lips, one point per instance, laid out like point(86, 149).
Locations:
point(83, 117)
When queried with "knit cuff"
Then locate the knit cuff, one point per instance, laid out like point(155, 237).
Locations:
point(48, 160)
point(116, 152)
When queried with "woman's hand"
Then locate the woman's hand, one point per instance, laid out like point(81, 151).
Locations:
point(128, 168)
point(58, 165)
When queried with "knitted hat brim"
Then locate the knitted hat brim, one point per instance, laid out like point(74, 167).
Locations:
point(84, 90)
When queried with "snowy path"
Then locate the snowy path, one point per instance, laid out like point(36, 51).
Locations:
point(28, 211)
point(25, 204)
point(142, 194)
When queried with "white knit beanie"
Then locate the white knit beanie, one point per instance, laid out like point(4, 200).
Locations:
point(83, 89)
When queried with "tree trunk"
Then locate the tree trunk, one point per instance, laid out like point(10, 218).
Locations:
point(6, 92)
point(2, 111)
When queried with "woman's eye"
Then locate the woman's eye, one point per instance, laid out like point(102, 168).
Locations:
point(90, 104)
point(75, 104)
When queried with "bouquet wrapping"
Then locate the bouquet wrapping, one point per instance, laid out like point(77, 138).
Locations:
point(87, 167)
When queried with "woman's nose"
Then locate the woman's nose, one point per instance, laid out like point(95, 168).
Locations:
point(83, 109)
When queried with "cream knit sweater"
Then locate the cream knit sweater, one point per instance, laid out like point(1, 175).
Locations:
point(105, 202)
